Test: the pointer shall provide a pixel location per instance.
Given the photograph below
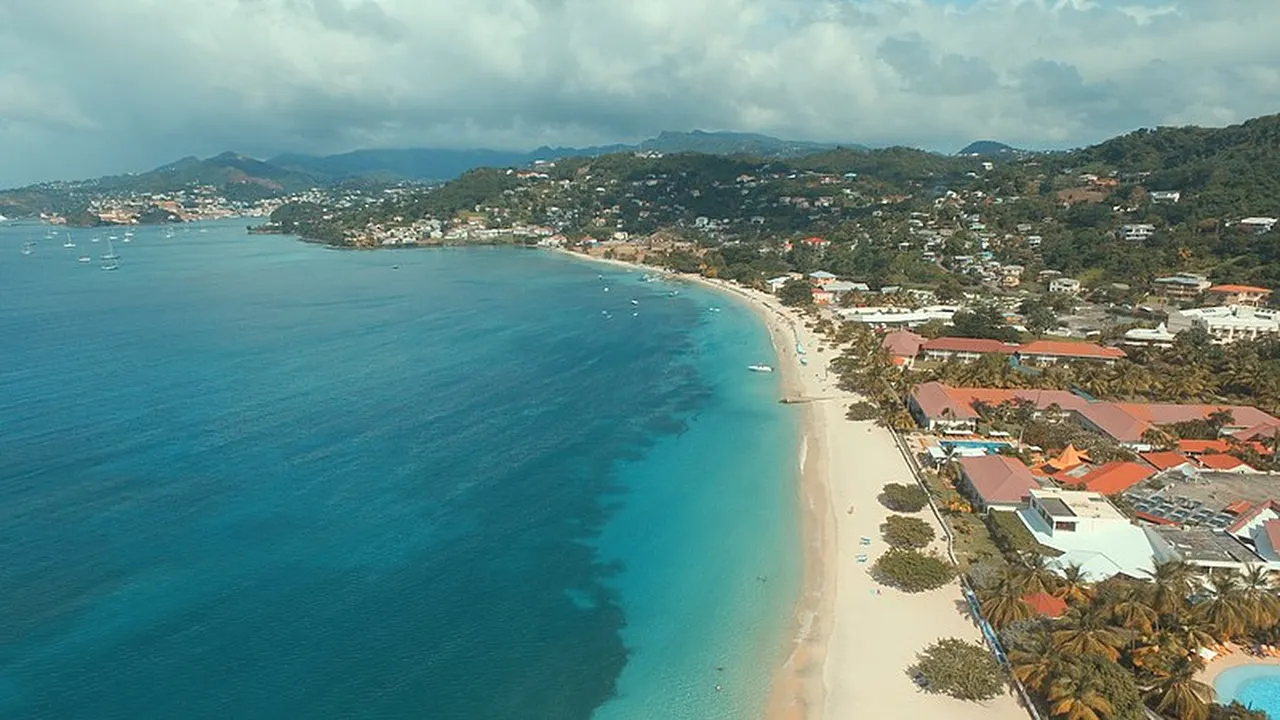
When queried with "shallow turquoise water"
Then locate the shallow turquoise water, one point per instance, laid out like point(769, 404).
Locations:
point(1254, 686)
point(247, 477)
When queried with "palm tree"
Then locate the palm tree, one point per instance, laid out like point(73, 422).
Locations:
point(1077, 694)
point(1180, 694)
point(1190, 630)
point(1036, 664)
point(1131, 610)
point(1089, 630)
point(1155, 654)
point(1172, 583)
point(1073, 587)
point(1260, 599)
point(1002, 603)
point(1225, 609)
point(1034, 574)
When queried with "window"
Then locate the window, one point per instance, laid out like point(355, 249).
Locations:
point(1064, 526)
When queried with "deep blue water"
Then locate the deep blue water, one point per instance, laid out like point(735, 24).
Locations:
point(248, 477)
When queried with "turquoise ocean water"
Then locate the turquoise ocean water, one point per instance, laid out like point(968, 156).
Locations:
point(1254, 686)
point(249, 477)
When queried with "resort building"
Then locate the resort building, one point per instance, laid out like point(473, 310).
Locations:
point(1051, 352)
point(1089, 532)
point(1246, 295)
point(1169, 461)
point(1114, 477)
point(1202, 547)
point(903, 346)
point(944, 349)
point(897, 317)
point(943, 408)
point(821, 278)
point(1183, 287)
point(1227, 323)
point(995, 482)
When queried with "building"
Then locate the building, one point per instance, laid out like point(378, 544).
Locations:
point(940, 407)
point(1221, 462)
point(1259, 530)
point(1161, 197)
point(1137, 232)
point(1245, 295)
point(1089, 532)
point(1114, 477)
point(1202, 547)
point(903, 346)
point(897, 317)
point(1167, 460)
point(840, 288)
point(1064, 285)
point(1258, 225)
point(775, 284)
point(944, 349)
point(1183, 287)
point(821, 278)
point(1159, 336)
point(1051, 352)
point(995, 482)
point(1227, 323)
point(1045, 605)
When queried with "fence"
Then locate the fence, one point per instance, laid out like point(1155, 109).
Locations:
point(988, 633)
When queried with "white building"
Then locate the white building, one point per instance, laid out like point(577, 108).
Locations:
point(1229, 323)
point(1165, 196)
point(1259, 224)
point(896, 316)
point(1089, 531)
point(1157, 337)
point(1065, 285)
point(1137, 232)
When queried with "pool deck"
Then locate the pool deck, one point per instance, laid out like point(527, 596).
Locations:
point(1239, 658)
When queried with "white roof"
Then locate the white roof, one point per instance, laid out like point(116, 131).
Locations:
point(1160, 332)
point(1119, 548)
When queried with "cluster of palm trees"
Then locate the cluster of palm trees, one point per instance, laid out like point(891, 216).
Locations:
point(1152, 629)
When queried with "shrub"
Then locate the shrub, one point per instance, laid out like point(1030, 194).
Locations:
point(863, 411)
point(963, 670)
point(912, 570)
point(907, 532)
point(1009, 534)
point(904, 498)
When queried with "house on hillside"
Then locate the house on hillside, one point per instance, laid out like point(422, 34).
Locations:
point(1183, 287)
point(1064, 285)
point(1244, 295)
point(821, 278)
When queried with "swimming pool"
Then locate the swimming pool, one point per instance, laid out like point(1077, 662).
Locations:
point(1254, 686)
point(989, 446)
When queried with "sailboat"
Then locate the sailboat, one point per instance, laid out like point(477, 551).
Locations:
point(68, 243)
point(28, 247)
point(128, 237)
point(168, 233)
point(110, 261)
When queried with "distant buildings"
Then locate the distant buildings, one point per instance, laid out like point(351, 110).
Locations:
point(1159, 336)
point(1162, 197)
point(1183, 287)
point(1136, 232)
point(1064, 285)
point(1227, 324)
point(1052, 352)
point(1245, 295)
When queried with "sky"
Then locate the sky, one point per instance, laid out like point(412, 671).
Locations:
point(90, 88)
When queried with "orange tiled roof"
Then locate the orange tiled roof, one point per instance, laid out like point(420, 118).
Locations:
point(1238, 289)
point(1045, 604)
point(1059, 348)
point(973, 345)
point(1165, 459)
point(1221, 461)
point(1116, 477)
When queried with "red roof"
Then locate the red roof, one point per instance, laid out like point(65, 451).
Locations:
point(934, 398)
point(1165, 459)
point(902, 343)
point(1153, 519)
point(1253, 513)
point(1238, 507)
point(1045, 604)
point(1273, 533)
point(1059, 348)
point(1221, 461)
point(1200, 447)
point(1116, 477)
point(1238, 289)
point(998, 479)
point(816, 241)
point(973, 345)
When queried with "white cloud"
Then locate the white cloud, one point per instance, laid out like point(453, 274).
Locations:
point(94, 87)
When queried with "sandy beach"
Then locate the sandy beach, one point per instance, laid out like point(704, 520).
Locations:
point(852, 638)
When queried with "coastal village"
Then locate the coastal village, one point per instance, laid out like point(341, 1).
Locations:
point(1070, 372)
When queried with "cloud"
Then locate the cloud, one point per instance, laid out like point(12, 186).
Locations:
point(88, 88)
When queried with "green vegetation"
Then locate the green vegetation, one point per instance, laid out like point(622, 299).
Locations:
point(1126, 642)
point(912, 571)
point(904, 498)
point(861, 411)
point(907, 532)
point(1009, 534)
point(963, 670)
point(796, 293)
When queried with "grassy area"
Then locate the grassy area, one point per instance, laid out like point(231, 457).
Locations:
point(973, 543)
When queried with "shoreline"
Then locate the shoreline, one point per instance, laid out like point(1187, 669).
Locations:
point(850, 640)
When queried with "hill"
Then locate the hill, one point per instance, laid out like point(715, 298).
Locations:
point(988, 148)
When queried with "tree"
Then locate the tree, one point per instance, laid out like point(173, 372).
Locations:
point(963, 670)
point(1087, 630)
point(1002, 602)
point(1038, 315)
point(1091, 687)
point(1180, 694)
point(912, 571)
point(904, 498)
point(985, 321)
point(796, 293)
point(1074, 587)
point(1235, 711)
point(1225, 608)
point(907, 532)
